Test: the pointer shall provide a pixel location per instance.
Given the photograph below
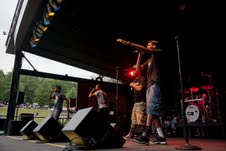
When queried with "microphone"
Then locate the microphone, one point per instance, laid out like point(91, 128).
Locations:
point(135, 51)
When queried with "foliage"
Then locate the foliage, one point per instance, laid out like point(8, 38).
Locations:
point(36, 89)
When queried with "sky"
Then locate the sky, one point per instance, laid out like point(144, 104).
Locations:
point(7, 9)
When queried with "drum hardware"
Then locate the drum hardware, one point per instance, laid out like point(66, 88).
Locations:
point(192, 100)
point(208, 88)
point(218, 107)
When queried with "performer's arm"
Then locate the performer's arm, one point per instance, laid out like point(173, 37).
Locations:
point(92, 93)
point(50, 95)
point(137, 46)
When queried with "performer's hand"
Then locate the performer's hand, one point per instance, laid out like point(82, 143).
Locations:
point(123, 41)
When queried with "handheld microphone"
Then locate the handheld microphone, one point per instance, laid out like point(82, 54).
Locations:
point(135, 51)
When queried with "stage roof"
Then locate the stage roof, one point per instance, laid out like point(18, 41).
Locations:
point(83, 34)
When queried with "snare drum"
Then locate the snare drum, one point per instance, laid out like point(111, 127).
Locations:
point(192, 113)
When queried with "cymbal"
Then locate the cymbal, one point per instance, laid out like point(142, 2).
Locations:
point(207, 87)
point(185, 91)
point(194, 89)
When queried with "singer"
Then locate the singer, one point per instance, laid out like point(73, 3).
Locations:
point(154, 102)
point(58, 98)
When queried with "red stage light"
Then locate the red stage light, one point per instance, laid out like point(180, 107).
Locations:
point(132, 73)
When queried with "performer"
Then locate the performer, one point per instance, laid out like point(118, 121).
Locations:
point(138, 116)
point(58, 98)
point(102, 100)
point(153, 92)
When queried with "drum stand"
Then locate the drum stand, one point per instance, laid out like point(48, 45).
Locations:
point(210, 105)
point(218, 107)
point(204, 112)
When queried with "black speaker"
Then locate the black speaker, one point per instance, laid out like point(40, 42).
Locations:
point(2, 124)
point(88, 128)
point(20, 97)
point(14, 128)
point(26, 117)
point(50, 130)
point(27, 130)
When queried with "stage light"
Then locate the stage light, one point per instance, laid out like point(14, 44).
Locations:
point(33, 43)
point(37, 34)
point(55, 4)
point(50, 10)
point(46, 19)
point(36, 38)
point(41, 27)
point(132, 72)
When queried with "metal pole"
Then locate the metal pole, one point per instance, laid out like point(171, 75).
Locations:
point(116, 97)
point(14, 89)
point(186, 146)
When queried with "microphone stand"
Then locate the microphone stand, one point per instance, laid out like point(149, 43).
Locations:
point(186, 146)
point(116, 97)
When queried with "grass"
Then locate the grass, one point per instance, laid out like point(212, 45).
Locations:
point(41, 113)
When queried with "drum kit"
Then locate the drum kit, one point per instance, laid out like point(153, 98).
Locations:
point(200, 103)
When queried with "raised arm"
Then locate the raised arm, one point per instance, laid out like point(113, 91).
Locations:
point(137, 46)
point(92, 93)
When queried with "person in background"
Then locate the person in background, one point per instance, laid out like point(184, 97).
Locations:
point(58, 98)
point(138, 116)
point(102, 101)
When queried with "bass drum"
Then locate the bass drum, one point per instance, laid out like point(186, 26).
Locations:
point(192, 113)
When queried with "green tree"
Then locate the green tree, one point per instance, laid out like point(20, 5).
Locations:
point(5, 80)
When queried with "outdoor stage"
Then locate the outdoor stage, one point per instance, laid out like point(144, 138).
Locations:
point(17, 143)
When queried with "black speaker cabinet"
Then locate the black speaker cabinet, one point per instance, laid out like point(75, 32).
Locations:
point(20, 97)
point(14, 128)
point(48, 129)
point(88, 128)
point(26, 117)
point(27, 130)
point(2, 124)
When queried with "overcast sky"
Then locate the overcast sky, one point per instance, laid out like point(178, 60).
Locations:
point(7, 9)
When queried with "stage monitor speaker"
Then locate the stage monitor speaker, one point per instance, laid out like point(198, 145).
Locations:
point(50, 130)
point(27, 130)
point(88, 128)
point(20, 97)
point(14, 128)
point(2, 124)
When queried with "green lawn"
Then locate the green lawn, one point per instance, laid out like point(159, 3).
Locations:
point(41, 113)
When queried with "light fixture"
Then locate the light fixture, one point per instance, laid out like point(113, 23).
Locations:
point(46, 19)
point(50, 10)
point(36, 38)
point(38, 34)
point(33, 43)
point(40, 27)
point(55, 4)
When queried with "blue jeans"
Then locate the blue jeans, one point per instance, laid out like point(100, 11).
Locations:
point(154, 100)
point(56, 113)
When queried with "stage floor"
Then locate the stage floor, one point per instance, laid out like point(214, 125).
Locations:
point(19, 143)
